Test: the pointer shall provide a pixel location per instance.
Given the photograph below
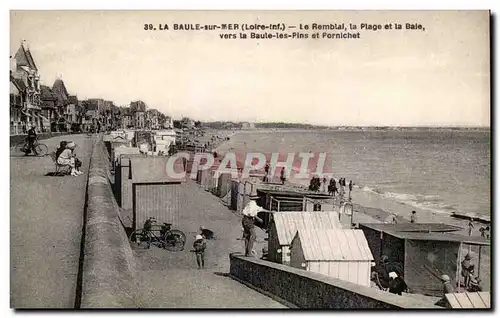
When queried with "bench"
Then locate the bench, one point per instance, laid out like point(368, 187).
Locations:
point(60, 169)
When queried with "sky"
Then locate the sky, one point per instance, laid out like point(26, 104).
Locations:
point(436, 77)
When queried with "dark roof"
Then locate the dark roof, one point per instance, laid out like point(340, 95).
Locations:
point(59, 89)
point(422, 236)
point(73, 99)
point(412, 227)
point(46, 93)
point(24, 58)
point(443, 237)
point(30, 60)
point(295, 194)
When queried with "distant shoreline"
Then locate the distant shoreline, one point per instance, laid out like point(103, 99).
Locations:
point(355, 129)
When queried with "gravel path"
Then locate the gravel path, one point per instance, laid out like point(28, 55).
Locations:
point(46, 218)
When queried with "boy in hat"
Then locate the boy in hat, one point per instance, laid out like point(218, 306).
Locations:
point(447, 286)
point(199, 247)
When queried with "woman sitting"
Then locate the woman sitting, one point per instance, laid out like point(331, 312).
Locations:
point(61, 148)
point(67, 158)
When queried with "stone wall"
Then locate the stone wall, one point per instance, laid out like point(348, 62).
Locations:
point(109, 269)
point(306, 289)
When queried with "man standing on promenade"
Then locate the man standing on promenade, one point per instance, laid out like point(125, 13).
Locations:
point(248, 222)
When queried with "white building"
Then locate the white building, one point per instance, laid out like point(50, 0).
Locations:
point(342, 254)
point(284, 226)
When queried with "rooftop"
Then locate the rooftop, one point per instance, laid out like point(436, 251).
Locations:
point(288, 223)
point(334, 245)
point(413, 227)
point(426, 236)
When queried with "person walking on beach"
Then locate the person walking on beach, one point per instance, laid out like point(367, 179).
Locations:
point(266, 171)
point(334, 186)
point(330, 186)
point(482, 231)
point(350, 188)
point(324, 186)
point(282, 176)
point(413, 217)
point(470, 226)
point(392, 219)
point(199, 247)
point(248, 223)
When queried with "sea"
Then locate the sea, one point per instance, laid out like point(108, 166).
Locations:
point(442, 171)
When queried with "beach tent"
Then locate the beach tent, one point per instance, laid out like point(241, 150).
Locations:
point(284, 226)
point(420, 252)
point(338, 253)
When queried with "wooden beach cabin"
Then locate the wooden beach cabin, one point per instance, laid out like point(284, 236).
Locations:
point(123, 175)
point(154, 192)
point(280, 201)
point(338, 253)
point(284, 226)
point(421, 253)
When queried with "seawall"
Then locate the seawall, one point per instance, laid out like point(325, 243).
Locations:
point(108, 269)
point(306, 289)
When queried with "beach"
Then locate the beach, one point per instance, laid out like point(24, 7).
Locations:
point(369, 206)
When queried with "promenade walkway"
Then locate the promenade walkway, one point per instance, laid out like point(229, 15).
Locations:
point(172, 279)
point(46, 217)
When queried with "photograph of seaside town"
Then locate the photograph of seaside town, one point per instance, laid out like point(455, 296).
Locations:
point(250, 159)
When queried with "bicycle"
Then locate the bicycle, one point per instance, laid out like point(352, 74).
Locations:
point(168, 238)
point(38, 149)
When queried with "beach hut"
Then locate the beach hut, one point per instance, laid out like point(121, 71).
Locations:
point(155, 193)
point(288, 200)
point(285, 200)
point(157, 199)
point(338, 253)
point(123, 175)
point(284, 226)
point(476, 300)
point(421, 252)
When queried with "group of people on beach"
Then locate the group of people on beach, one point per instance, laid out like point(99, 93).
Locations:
point(483, 230)
point(266, 174)
point(324, 185)
point(387, 276)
